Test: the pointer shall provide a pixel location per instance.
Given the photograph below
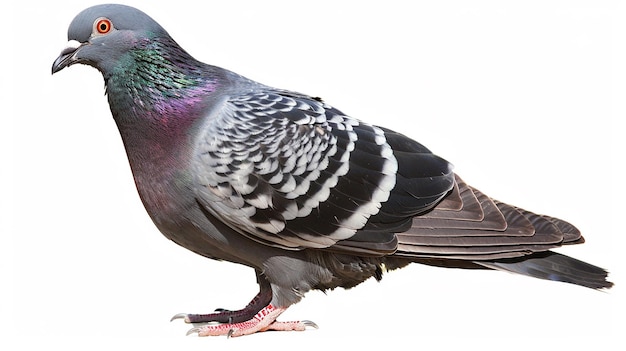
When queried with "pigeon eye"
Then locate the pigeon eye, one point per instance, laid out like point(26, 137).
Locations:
point(103, 26)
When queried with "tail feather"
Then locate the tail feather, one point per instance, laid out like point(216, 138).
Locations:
point(554, 266)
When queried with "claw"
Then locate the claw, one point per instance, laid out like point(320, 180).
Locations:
point(309, 324)
point(183, 316)
point(230, 333)
point(192, 330)
point(221, 310)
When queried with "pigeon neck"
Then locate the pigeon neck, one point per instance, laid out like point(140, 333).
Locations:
point(157, 92)
point(159, 80)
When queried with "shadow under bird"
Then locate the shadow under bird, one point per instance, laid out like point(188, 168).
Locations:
point(282, 182)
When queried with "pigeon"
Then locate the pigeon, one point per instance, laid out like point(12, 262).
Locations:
point(285, 183)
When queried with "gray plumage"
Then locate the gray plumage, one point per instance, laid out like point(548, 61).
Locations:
point(287, 184)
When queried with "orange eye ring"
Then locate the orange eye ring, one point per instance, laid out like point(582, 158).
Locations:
point(103, 26)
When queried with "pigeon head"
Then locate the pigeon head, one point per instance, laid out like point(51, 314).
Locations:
point(144, 69)
point(101, 36)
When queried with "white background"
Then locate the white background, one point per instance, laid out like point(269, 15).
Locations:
point(524, 99)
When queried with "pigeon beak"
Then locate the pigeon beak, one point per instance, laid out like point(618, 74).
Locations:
point(67, 56)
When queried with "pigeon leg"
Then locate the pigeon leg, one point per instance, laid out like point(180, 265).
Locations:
point(261, 300)
point(264, 320)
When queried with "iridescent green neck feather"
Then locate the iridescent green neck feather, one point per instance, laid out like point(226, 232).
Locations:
point(158, 80)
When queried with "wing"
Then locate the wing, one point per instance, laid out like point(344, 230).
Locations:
point(468, 225)
point(291, 171)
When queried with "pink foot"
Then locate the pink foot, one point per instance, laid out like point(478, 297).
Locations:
point(262, 321)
